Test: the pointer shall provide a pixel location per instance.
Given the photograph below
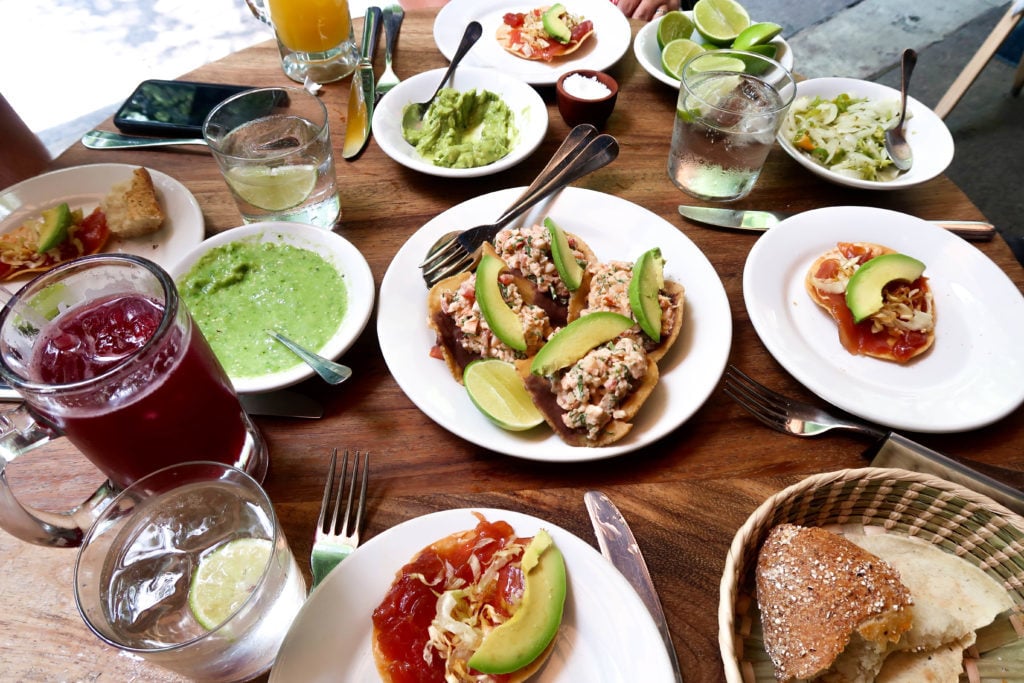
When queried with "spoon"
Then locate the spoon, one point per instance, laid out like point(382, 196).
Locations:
point(412, 115)
point(895, 140)
point(331, 372)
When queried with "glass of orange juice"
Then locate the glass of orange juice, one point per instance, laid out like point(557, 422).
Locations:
point(315, 37)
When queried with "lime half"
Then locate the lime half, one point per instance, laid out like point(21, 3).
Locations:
point(673, 26)
point(676, 54)
point(497, 390)
point(273, 189)
point(720, 21)
point(226, 578)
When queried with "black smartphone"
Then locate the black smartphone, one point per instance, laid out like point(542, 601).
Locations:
point(172, 108)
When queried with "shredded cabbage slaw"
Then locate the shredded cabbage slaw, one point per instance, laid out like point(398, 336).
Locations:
point(846, 135)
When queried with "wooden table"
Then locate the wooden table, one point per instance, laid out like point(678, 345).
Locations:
point(685, 496)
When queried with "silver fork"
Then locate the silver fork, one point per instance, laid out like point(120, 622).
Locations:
point(393, 16)
point(573, 160)
point(332, 544)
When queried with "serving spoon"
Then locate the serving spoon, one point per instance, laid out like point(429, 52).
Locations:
point(412, 115)
point(895, 138)
point(329, 371)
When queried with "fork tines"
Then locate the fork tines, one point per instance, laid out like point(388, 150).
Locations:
point(768, 406)
point(350, 499)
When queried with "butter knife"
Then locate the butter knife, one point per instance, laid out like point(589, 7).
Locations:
point(621, 549)
point(361, 96)
point(759, 221)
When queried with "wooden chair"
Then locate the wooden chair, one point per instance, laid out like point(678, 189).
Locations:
point(982, 57)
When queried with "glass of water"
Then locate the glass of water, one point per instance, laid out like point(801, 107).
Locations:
point(273, 146)
point(189, 568)
point(731, 104)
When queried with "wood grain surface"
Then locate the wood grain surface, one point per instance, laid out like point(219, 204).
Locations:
point(685, 496)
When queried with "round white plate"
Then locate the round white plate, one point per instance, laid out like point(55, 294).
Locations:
point(647, 52)
point(606, 634)
point(601, 50)
point(928, 136)
point(615, 229)
point(531, 116)
point(82, 187)
point(972, 376)
point(330, 246)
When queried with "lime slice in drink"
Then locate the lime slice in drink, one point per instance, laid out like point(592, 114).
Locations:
point(720, 21)
point(715, 62)
point(273, 189)
point(756, 34)
point(225, 578)
point(496, 389)
point(672, 26)
point(677, 53)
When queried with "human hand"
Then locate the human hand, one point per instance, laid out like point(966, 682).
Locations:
point(645, 9)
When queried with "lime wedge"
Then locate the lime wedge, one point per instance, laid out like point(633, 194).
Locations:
point(720, 21)
point(226, 578)
point(273, 189)
point(715, 62)
point(672, 26)
point(676, 54)
point(756, 34)
point(497, 390)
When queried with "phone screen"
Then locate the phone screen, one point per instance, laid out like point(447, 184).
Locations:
point(171, 107)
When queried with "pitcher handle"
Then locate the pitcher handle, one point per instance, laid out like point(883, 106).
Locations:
point(20, 432)
point(259, 10)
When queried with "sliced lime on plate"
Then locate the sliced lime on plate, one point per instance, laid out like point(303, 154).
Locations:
point(720, 21)
point(497, 390)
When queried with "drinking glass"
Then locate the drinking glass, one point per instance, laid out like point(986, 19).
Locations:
point(141, 584)
point(731, 104)
point(315, 37)
point(104, 352)
point(273, 146)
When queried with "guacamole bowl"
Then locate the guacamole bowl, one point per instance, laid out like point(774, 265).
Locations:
point(522, 106)
point(307, 283)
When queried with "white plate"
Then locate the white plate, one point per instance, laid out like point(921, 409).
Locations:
point(82, 187)
point(647, 52)
point(928, 136)
point(330, 246)
point(601, 50)
point(530, 113)
point(606, 634)
point(615, 229)
point(972, 376)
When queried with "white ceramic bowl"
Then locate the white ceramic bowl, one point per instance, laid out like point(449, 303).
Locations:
point(645, 47)
point(928, 136)
point(530, 112)
point(330, 246)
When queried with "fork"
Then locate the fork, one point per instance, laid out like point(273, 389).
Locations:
point(331, 545)
point(463, 251)
point(393, 16)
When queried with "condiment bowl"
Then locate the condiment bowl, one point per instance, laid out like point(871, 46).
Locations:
point(582, 99)
point(332, 248)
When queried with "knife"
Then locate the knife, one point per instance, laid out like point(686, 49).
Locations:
point(621, 549)
point(361, 96)
point(759, 221)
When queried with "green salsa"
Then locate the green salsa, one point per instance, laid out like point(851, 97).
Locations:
point(464, 129)
point(237, 291)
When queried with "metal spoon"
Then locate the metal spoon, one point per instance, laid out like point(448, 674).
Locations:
point(412, 115)
point(331, 372)
point(895, 139)
point(105, 139)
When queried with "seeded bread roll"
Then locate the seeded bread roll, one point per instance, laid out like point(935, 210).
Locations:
point(132, 208)
point(827, 605)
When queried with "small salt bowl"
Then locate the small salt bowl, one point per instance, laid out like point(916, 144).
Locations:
point(586, 96)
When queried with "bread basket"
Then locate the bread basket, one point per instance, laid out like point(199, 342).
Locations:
point(955, 519)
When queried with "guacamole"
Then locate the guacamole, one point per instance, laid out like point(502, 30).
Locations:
point(237, 291)
point(464, 129)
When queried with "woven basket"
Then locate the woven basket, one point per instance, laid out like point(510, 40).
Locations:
point(955, 519)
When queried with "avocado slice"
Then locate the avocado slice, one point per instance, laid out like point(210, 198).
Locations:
point(502, 320)
point(568, 268)
point(644, 287)
point(864, 291)
point(525, 636)
point(573, 341)
point(554, 24)
point(54, 228)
